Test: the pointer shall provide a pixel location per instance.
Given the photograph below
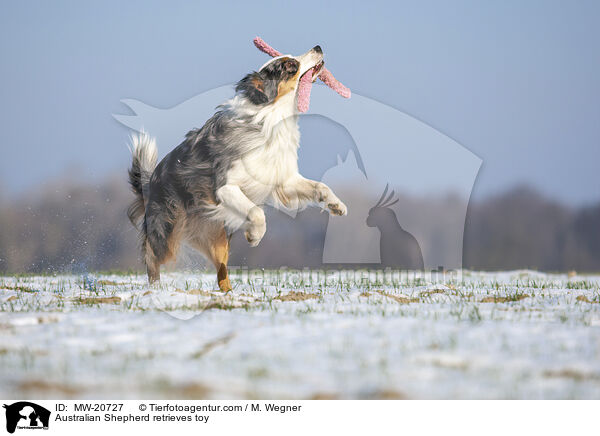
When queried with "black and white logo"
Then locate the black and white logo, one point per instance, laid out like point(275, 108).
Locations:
point(26, 415)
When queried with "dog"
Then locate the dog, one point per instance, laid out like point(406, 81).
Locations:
point(220, 177)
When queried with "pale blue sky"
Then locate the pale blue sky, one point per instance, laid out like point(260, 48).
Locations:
point(517, 83)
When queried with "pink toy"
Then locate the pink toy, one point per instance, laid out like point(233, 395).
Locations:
point(307, 79)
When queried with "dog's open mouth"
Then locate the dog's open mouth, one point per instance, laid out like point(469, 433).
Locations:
point(316, 70)
point(305, 85)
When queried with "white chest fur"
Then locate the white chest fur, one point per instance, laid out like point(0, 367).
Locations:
point(263, 169)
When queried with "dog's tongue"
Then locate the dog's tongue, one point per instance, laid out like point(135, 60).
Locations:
point(304, 88)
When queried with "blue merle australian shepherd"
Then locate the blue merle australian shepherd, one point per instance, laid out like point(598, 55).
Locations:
point(218, 179)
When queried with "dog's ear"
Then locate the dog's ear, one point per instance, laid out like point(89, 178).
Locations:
point(253, 87)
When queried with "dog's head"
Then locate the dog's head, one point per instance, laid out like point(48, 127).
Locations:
point(279, 77)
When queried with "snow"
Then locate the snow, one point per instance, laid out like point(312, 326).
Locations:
point(537, 337)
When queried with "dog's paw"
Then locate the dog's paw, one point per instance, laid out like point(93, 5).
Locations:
point(326, 197)
point(254, 236)
point(225, 285)
point(256, 226)
point(337, 208)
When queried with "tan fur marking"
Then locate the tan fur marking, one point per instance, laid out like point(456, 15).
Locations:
point(210, 238)
point(289, 85)
point(219, 257)
point(258, 84)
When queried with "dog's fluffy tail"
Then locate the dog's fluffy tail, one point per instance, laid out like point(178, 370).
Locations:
point(145, 154)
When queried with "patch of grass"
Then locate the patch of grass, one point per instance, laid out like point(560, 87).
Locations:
point(189, 390)
point(296, 296)
point(32, 388)
point(97, 300)
point(386, 394)
point(222, 304)
point(194, 292)
point(398, 298)
point(258, 373)
point(19, 288)
point(581, 284)
point(470, 312)
point(504, 299)
point(109, 283)
point(585, 299)
point(571, 374)
point(431, 292)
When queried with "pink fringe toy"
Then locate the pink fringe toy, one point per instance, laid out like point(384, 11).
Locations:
point(306, 80)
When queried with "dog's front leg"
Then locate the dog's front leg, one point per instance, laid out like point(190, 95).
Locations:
point(236, 203)
point(300, 191)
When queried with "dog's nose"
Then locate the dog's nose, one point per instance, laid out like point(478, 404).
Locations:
point(317, 48)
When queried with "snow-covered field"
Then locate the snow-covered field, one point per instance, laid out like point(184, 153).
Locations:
point(519, 334)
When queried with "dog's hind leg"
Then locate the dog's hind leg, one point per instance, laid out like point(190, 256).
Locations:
point(220, 257)
point(150, 260)
point(152, 266)
point(163, 232)
point(211, 239)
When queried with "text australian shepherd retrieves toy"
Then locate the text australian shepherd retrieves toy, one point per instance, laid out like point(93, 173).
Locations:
point(217, 180)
